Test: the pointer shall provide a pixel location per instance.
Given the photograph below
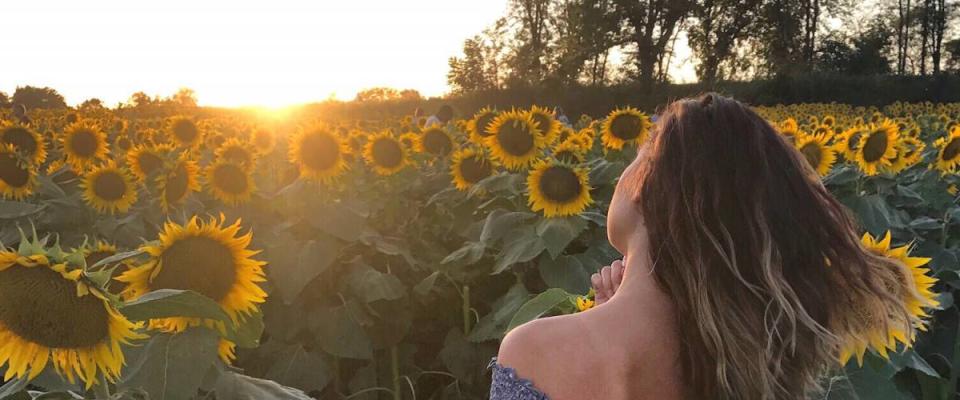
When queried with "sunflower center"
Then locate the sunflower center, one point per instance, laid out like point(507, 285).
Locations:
point(387, 153)
point(230, 178)
point(149, 162)
point(543, 122)
point(11, 172)
point(175, 188)
point(474, 169)
point(109, 186)
point(21, 139)
point(319, 151)
point(813, 153)
point(84, 143)
point(515, 138)
point(952, 150)
point(197, 263)
point(185, 131)
point(41, 306)
point(437, 142)
point(875, 146)
point(483, 122)
point(625, 127)
point(853, 141)
point(560, 184)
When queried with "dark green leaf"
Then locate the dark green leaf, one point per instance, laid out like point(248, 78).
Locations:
point(372, 285)
point(925, 223)
point(294, 266)
point(301, 369)
point(557, 233)
point(248, 332)
point(12, 388)
point(469, 254)
point(537, 306)
point(172, 366)
point(569, 273)
point(595, 217)
point(16, 209)
point(493, 325)
point(521, 245)
point(339, 334)
point(234, 386)
point(166, 303)
point(500, 223)
point(426, 285)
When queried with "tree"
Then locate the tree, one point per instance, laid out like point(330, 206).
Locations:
point(185, 97)
point(141, 100)
point(34, 97)
point(4, 100)
point(720, 24)
point(91, 104)
point(376, 94)
point(586, 30)
point(953, 61)
point(650, 25)
point(467, 74)
point(532, 38)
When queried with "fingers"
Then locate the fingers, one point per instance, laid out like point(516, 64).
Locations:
point(606, 281)
point(600, 293)
point(606, 275)
point(617, 274)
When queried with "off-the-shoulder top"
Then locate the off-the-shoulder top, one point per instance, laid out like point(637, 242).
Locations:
point(507, 385)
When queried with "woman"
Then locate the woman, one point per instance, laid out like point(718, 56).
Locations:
point(742, 276)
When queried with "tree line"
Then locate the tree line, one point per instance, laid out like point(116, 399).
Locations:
point(608, 42)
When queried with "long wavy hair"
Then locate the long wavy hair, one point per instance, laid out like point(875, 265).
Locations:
point(763, 265)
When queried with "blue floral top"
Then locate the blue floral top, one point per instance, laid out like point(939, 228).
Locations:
point(507, 385)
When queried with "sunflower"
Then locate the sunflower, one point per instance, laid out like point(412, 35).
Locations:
point(236, 151)
point(558, 189)
point(26, 141)
point(625, 125)
point(99, 251)
point(229, 182)
point(84, 145)
point(848, 141)
point(584, 303)
point(385, 154)
point(176, 181)
point(145, 160)
point(948, 154)
point(789, 127)
point(319, 154)
point(815, 150)
point(409, 140)
point(877, 147)
point(547, 125)
point(480, 123)
point(109, 189)
point(910, 282)
point(435, 141)
point(513, 140)
point(570, 151)
point(828, 121)
point(263, 141)
point(51, 314)
point(17, 179)
point(468, 167)
point(185, 132)
point(909, 153)
point(208, 258)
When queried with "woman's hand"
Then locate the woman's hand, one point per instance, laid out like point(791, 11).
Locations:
point(607, 281)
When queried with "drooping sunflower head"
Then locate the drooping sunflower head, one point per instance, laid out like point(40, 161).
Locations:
point(84, 145)
point(207, 257)
point(435, 141)
point(100, 250)
point(815, 150)
point(909, 153)
point(789, 127)
point(547, 126)
point(384, 154)
point(877, 147)
point(185, 132)
point(263, 141)
point(52, 315)
point(237, 151)
point(146, 160)
point(480, 123)
point(319, 153)
point(468, 167)
point(26, 141)
point(109, 189)
point(17, 178)
point(626, 125)
point(558, 189)
point(176, 181)
point(948, 154)
point(514, 140)
point(229, 182)
point(570, 151)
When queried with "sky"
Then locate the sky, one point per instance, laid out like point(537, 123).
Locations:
point(235, 53)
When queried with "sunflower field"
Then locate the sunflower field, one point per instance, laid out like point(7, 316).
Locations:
point(225, 255)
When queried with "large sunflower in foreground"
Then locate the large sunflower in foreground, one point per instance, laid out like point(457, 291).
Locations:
point(626, 125)
point(177, 181)
point(912, 284)
point(558, 189)
point(468, 167)
point(185, 132)
point(514, 140)
point(84, 145)
point(877, 147)
point(384, 154)
point(17, 178)
point(236, 151)
point(26, 141)
point(206, 257)
point(52, 315)
point(319, 153)
point(146, 160)
point(815, 150)
point(435, 141)
point(547, 125)
point(948, 154)
point(479, 124)
point(109, 189)
point(229, 182)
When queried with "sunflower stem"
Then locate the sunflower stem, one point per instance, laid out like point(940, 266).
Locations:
point(102, 391)
point(395, 370)
point(466, 309)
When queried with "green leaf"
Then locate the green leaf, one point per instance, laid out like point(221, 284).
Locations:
point(339, 334)
point(469, 254)
point(55, 396)
point(165, 303)
point(248, 332)
point(460, 357)
point(172, 366)
point(301, 369)
point(294, 266)
point(116, 258)
point(500, 222)
point(557, 233)
point(841, 176)
point(595, 217)
point(234, 386)
point(864, 383)
point(910, 359)
point(425, 286)
point(570, 273)
point(925, 223)
point(537, 306)
point(339, 221)
point(17, 209)
point(12, 388)
point(519, 246)
point(606, 173)
point(371, 285)
point(493, 325)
